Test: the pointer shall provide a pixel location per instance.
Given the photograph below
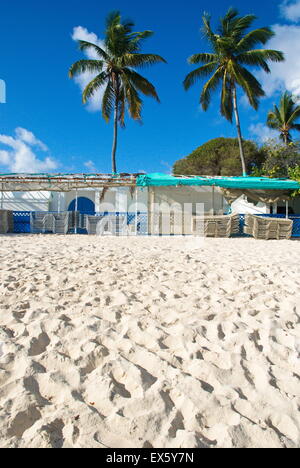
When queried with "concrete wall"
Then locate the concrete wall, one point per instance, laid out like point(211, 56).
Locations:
point(191, 195)
point(25, 201)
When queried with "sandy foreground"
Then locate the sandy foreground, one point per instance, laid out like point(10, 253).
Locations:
point(140, 342)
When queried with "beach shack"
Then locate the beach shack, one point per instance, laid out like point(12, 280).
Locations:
point(77, 203)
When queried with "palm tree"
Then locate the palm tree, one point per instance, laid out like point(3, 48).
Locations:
point(115, 69)
point(284, 118)
point(233, 49)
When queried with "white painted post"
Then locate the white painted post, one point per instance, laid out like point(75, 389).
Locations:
point(58, 208)
point(136, 211)
point(287, 209)
point(2, 197)
point(213, 199)
point(151, 201)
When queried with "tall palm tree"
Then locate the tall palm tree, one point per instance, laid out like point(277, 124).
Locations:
point(233, 49)
point(115, 69)
point(284, 118)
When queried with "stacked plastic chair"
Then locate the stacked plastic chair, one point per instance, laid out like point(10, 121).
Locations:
point(261, 227)
point(106, 225)
point(55, 223)
point(6, 221)
point(42, 223)
point(92, 224)
point(217, 225)
point(62, 222)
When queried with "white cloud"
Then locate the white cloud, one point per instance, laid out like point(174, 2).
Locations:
point(90, 165)
point(290, 10)
point(81, 33)
point(262, 133)
point(21, 156)
point(284, 75)
point(28, 137)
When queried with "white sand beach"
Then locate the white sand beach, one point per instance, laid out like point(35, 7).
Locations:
point(145, 342)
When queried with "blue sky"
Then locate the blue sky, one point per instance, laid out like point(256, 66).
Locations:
point(44, 126)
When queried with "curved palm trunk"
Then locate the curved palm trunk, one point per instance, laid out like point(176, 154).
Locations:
point(238, 125)
point(115, 140)
point(116, 115)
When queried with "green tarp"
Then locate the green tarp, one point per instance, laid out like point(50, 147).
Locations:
point(259, 183)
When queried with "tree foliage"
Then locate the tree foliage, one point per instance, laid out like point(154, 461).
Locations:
point(220, 157)
point(234, 49)
point(284, 118)
point(115, 72)
point(280, 159)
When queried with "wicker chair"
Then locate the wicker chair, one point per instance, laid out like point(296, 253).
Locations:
point(268, 228)
point(216, 226)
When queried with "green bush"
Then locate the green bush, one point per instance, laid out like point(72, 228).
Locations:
point(280, 159)
point(220, 157)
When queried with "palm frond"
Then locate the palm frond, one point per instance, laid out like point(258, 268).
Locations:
point(108, 101)
point(273, 121)
point(210, 86)
point(253, 38)
point(199, 73)
point(241, 24)
point(132, 97)
point(202, 58)
point(136, 39)
point(121, 107)
point(255, 58)
point(85, 45)
point(94, 86)
point(207, 31)
point(248, 82)
point(140, 83)
point(83, 66)
point(141, 60)
point(227, 98)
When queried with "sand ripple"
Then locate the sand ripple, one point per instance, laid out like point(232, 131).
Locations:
point(147, 343)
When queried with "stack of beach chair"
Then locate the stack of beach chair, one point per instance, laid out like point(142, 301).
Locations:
point(106, 225)
point(268, 228)
point(55, 223)
point(91, 223)
point(62, 222)
point(174, 223)
point(6, 221)
point(42, 223)
point(217, 225)
point(74, 220)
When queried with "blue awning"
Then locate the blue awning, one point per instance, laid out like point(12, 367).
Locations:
point(254, 183)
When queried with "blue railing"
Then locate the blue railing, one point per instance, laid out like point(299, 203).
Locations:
point(22, 222)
